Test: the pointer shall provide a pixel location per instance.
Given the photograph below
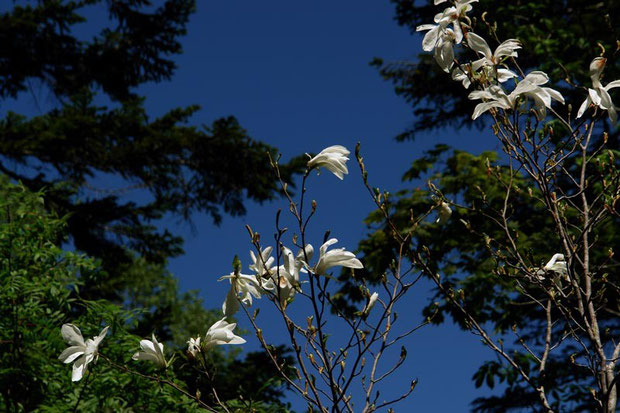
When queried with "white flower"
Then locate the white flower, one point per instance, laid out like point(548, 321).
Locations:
point(433, 36)
point(293, 265)
point(371, 303)
point(502, 75)
point(599, 95)
point(494, 97)
point(221, 333)
point(541, 95)
point(557, 263)
point(338, 256)
point(287, 275)
point(79, 351)
point(262, 265)
point(264, 269)
point(333, 158)
point(443, 213)
point(529, 87)
point(490, 61)
point(440, 37)
point(451, 15)
point(151, 351)
point(245, 285)
point(460, 8)
point(193, 346)
point(444, 50)
point(285, 289)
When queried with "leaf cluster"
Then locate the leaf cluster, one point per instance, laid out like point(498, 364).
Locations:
point(41, 288)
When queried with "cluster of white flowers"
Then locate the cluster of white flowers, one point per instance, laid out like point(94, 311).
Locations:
point(83, 353)
point(490, 70)
point(282, 281)
point(440, 37)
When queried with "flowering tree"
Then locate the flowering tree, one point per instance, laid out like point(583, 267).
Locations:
point(555, 187)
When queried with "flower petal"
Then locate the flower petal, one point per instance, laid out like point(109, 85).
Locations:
point(612, 85)
point(72, 335)
point(508, 48)
point(483, 107)
point(537, 78)
point(594, 97)
point(596, 69)
point(79, 368)
point(555, 95)
point(147, 345)
point(101, 336)
point(144, 356)
point(504, 74)
point(583, 107)
point(71, 353)
point(613, 115)
point(606, 102)
point(478, 44)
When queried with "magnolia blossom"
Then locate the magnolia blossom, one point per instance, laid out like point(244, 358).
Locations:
point(557, 264)
point(193, 346)
point(451, 15)
point(433, 36)
point(293, 265)
point(444, 51)
point(460, 8)
point(287, 275)
point(333, 158)
point(286, 288)
point(541, 95)
point(490, 60)
point(494, 97)
point(371, 303)
point(529, 87)
point(79, 351)
point(599, 94)
point(443, 212)
point(338, 256)
point(441, 38)
point(152, 351)
point(240, 284)
point(263, 264)
point(221, 333)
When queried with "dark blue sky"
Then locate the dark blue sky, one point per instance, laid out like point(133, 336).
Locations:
point(297, 76)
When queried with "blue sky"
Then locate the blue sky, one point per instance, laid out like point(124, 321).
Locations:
point(297, 76)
